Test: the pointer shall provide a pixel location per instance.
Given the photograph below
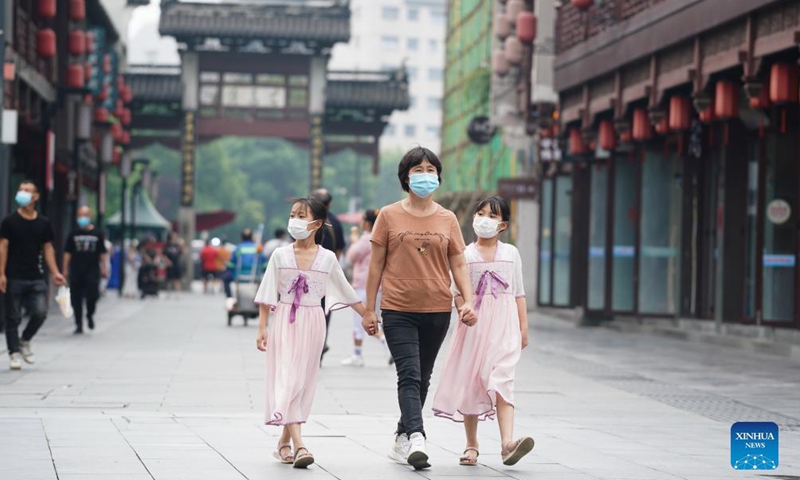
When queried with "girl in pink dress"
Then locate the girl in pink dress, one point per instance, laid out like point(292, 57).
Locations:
point(478, 376)
point(289, 299)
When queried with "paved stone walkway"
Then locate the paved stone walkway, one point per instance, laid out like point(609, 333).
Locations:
point(163, 389)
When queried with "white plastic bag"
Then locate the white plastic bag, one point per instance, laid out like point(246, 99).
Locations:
point(64, 302)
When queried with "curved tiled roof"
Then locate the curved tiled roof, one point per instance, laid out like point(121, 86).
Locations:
point(155, 84)
point(326, 25)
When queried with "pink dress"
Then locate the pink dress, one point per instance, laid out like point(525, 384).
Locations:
point(482, 359)
point(297, 328)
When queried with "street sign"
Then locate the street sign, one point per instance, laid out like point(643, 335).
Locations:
point(514, 188)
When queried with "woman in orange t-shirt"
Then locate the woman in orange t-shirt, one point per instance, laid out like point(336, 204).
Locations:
point(416, 245)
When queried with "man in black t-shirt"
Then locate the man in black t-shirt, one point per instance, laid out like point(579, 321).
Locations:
point(26, 242)
point(84, 264)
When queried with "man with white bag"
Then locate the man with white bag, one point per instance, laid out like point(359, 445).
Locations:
point(26, 242)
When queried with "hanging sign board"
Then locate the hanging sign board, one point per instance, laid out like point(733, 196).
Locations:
point(513, 188)
point(9, 127)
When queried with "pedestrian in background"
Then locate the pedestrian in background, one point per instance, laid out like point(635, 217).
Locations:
point(297, 278)
point(478, 376)
point(26, 239)
point(109, 255)
point(416, 246)
point(208, 263)
point(359, 255)
point(244, 261)
point(84, 266)
point(133, 262)
point(278, 241)
point(173, 250)
point(333, 240)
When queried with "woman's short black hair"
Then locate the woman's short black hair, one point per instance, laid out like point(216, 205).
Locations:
point(370, 216)
point(498, 206)
point(318, 212)
point(415, 157)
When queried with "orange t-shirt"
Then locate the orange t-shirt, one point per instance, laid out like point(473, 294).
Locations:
point(416, 277)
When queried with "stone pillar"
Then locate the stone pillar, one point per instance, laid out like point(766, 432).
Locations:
point(186, 215)
point(316, 112)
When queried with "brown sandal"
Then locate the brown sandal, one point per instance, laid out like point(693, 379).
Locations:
point(468, 461)
point(284, 459)
point(522, 447)
point(303, 460)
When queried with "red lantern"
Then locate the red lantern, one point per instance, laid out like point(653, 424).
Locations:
point(126, 117)
point(75, 76)
point(608, 137)
point(89, 42)
point(500, 63)
point(127, 94)
point(106, 64)
point(514, 50)
point(642, 130)
point(119, 108)
point(582, 4)
point(783, 83)
point(77, 10)
point(120, 83)
point(726, 101)
point(626, 136)
point(87, 71)
point(46, 8)
point(77, 43)
point(526, 27)
point(707, 115)
point(502, 28)
point(680, 114)
point(103, 94)
point(87, 99)
point(46, 43)
point(115, 159)
point(100, 114)
point(662, 127)
point(116, 132)
point(125, 138)
point(576, 146)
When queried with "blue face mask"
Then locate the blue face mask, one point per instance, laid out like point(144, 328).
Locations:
point(423, 184)
point(84, 222)
point(23, 198)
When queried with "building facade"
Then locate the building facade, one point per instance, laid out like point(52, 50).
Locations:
point(677, 195)
point(387, 34)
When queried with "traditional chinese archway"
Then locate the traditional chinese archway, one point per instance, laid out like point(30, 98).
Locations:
point(259, 71)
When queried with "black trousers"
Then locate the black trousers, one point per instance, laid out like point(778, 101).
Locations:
point(32, 296)
point(84, 287)
point(414, 340)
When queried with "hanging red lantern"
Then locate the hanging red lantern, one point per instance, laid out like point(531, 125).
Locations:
point(89, 42)
point(127, 94)
point(77, 10)
point(582, 4)
point(125, 138)
point(87, 99)
point(576, 145)
point(116, 157)
point(662, 127)
point(608, 137)
point(46, 8)
point(680, 114)
point(120, 83)
point(783, 83)
point(642, 130)
point(119, 108)
point(726, 100)
point(46, 43)
point(126, 117)
point(100, 114)
point(116, 132)
point(77, 43)
point(102, 95)
point(500, 64)
point(761, 101)
point(502, 27)
point(514, 50)
point(707, 115)
point(75, 76)
point(526, 27)
point(626, 136)
point(106, 64)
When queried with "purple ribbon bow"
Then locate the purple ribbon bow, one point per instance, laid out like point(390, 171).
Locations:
point(486, 280)
point(299, 287)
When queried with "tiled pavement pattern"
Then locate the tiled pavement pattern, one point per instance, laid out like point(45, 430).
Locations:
point(164, 390)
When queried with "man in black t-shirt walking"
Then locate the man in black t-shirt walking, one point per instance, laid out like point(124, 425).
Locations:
point(84, 264)
point(26, 242)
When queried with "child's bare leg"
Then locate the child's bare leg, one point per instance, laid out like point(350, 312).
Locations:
point(505, 420)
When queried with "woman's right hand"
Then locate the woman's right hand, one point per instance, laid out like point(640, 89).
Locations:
point(370, 323)
point(261, 340)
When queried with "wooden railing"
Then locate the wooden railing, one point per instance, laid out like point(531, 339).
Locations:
point(575, 26)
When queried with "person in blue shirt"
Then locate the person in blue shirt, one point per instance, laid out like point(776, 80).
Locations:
point(244, 261)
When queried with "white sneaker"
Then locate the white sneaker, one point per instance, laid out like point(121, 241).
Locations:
point(354, 361)
point(399, 453)
point(417, 454)
point(15, 362)
point(27, 354)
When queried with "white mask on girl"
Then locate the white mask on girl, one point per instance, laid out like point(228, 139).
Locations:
point(485, 227)
point(298, 229)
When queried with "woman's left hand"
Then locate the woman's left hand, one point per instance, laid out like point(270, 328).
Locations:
point(525, 339)
point(467, 315)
